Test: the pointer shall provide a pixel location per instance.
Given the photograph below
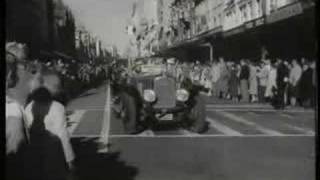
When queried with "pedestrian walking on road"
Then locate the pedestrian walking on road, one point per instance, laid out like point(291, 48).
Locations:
point(244, 83)
point(49, 154)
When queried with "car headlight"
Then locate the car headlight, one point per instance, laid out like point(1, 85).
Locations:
point(149, 95)
point(182, 95)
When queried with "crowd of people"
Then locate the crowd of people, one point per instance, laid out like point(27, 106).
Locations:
point(75, 76)
point(279, 82)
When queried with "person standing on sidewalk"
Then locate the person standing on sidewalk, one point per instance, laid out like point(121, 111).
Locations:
point(215, 74)
point(16, 135)
point(233, 83)
point(271, 83)
point(305, 85)
point(222, 82)
point(244, 84)
point(282, 79)
point(263, 78)
point(253, 82)
point(314, 82)
point(294, 77)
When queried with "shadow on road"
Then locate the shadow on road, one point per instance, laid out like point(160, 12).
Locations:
point(99, 166)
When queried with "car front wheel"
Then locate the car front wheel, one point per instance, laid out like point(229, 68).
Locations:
point(198, 115)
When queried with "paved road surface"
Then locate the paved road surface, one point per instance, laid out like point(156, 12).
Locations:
point(242, 143)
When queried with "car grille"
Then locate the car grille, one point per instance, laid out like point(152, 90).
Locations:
point(165, 92)
point(163, 87)
point(144, 83)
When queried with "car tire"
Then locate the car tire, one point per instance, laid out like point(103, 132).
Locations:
point(129, 113)
point(198, 115)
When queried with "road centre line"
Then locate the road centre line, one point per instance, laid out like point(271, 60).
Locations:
point(239, 119)
point(75, 119)
point(222, 128)
point(104, 135)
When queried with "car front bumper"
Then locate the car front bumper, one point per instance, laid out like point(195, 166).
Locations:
point(158, 115)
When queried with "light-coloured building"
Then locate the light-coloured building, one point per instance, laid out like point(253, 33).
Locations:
point(144, 25)
point(238, 12)
point(208, 15)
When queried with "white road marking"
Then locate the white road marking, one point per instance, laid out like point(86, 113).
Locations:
point(303, 130)
point(104, 135)
point(286, 115)
point(187, 133)
point(148, 133)
point(222, 128)
point(75, 119)
point(250, 123)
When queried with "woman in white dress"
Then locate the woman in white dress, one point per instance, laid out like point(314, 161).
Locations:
point(271, 82)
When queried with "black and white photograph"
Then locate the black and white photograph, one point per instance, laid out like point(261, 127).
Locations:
point(161, 89)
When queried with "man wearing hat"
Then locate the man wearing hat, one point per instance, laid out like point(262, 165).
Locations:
point(171, 69)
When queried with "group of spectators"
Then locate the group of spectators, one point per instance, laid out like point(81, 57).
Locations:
point(277, 81)
point(75, 77)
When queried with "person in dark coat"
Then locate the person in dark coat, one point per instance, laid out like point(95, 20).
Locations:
point(233, 83)
point(305, 85)
point(282, 79)
point(244, 83)
point(49, 153)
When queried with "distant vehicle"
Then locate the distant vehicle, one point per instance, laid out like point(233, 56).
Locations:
point(150, 101)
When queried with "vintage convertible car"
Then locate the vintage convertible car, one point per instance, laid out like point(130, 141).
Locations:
point(153, 101)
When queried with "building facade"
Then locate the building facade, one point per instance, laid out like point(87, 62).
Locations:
point(194, 24)
point(144, 27)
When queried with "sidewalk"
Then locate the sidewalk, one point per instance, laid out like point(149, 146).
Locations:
point(216, 103)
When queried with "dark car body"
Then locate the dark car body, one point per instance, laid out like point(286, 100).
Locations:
point(166, 109)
